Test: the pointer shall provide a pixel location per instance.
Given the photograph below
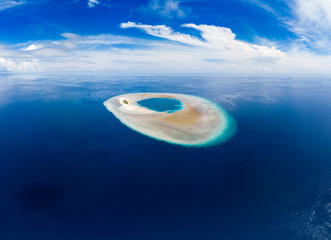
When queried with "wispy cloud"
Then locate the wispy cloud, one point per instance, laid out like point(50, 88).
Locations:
point(92, 3)
point(311, 22)
point(4, 4)
point(165, 8)
point(262, 5)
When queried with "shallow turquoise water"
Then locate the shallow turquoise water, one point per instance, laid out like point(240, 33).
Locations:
point(161, 104)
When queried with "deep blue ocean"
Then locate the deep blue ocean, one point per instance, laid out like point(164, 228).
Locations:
point(69, 170)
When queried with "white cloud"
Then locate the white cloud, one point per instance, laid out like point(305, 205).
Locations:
point(95, 40)
point(164, 32)
point(216, 50)
point(311, 22)
point(165, 8)
point(92, 3)
point(70, 36)
point(9, 65)
point(32, 47)
point(4, 4)
point(213, 37)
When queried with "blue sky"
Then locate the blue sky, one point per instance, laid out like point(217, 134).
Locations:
point(165, 36)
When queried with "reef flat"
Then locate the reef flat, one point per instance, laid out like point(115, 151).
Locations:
point(196, 122)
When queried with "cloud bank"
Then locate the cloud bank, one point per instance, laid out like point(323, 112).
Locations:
point(214, 49)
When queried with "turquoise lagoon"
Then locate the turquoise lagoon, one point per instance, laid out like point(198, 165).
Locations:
point(161, 104)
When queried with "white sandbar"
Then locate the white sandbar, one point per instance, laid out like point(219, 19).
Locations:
point(200, 123)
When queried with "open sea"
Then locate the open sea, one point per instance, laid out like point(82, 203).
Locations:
point(69, 170)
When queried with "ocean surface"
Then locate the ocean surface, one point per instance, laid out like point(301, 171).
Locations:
point(69, 170)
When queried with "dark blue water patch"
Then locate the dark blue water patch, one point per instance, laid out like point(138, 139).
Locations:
point(39, 196)
point(161, 104)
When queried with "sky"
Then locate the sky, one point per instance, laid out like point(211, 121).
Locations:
point(138, 37)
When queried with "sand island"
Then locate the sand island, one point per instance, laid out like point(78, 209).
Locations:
point(174, 118)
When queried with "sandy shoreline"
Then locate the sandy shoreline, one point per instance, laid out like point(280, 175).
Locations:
point(200, 122)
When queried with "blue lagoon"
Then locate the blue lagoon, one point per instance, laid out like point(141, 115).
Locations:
point(161, 104)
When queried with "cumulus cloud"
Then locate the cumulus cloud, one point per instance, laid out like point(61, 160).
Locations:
point(165, 8)
point(311, 22)
point(9, 65)
point(4, 4)
point(92, 3)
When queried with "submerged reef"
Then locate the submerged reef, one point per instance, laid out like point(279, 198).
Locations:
point(180, 119)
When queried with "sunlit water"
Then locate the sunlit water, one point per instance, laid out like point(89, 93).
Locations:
point(70, 170)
